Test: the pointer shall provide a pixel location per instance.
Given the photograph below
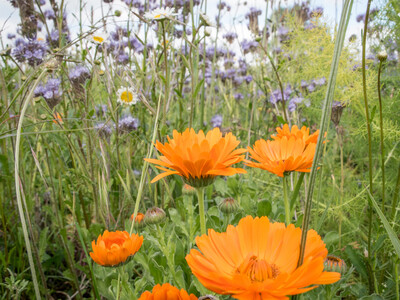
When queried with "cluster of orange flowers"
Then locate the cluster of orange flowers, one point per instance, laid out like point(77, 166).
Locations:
point(256, 259)
point(198, 158)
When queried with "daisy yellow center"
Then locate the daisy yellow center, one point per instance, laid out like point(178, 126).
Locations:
point(126, 96)
point(98, 39)
point(257, 269)
point(157, 16)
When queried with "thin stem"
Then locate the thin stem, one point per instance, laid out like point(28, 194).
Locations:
point(166, 97)
point(286, 201)
point(395, 196)
point(344, 20)
point(145, 165)
point(200, 196)
point(396, 279)
point(381, 133)
point(118, 283)
point(295, 193)
point(17, 188)
point(364, 80)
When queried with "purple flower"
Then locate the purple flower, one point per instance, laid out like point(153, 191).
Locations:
point(360, 18)
point(128, 124)
point(249, 46)
point(49, 14)
point(11, 36)
point(50, 92)
point(32, 51)
point(103, 130)
point(303, 84)
point(311, 87)
point(321, 81)
point(79, 74)
point(282, 31)
point(317, 12)
point(230, 36)
point(248, 78)
point(238, 96)
point(216, 121)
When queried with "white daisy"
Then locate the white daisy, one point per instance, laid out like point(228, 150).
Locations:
point(98, 37)
point(127, 96)
point(206, 20)
point(159, 14)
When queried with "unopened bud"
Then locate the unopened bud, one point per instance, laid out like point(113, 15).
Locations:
point(228, 206)
point(382, 56)
point(188, 189)
point(117, 13)
point(335, 264)
point(154, 215)
point(208, 297)
point(97, 62)
point(139, 220)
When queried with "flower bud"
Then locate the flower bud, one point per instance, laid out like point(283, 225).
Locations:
point(335, 264)
point(228, 206)
point(188, 189)
point(139, 221)
point(117, 13)
point(154, 215)
point(382, 56)
point(208, 297)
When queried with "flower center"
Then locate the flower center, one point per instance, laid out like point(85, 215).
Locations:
point(98, 39)
point(258, 269)
point(126, 96)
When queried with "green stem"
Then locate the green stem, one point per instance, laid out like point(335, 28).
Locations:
point(396, 279)
point(381, 133)
point(395, 196)
point(295, 193)
point(200, 196)
point(364, 80)
point(166, 97)
point(145, 165)
point(118, 283)
point(286, 201)
point(344, 20)
point(17, 187)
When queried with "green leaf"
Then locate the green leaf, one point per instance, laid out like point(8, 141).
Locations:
point(264, 208)
point(281, 120)
point(392, 235)
point(357, 261)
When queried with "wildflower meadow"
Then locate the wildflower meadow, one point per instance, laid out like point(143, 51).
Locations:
point(200, 149)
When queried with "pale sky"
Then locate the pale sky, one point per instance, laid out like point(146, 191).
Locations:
point(9, 17)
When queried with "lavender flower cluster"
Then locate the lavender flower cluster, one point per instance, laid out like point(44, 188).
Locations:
point(50, 92)
point(31, 51)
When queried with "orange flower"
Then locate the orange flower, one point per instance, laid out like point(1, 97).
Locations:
point(114, 248)
point(198, 158)
point(139, 218)
point(303, 133)
point(289, 151)
point(57, 118)
point(168, 292)
point(258, 260)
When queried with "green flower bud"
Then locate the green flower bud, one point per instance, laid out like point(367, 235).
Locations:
point(228, 206)
point(335, 264)
point(154, 215)
point(117, 13)
point(382, 56)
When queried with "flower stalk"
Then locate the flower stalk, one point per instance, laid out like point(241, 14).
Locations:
point(286, 200)
point(200, 196)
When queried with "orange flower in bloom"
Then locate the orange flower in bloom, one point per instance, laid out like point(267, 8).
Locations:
point(167, 292)
point(289, 151)
point(303, 133)
point(258, 260)
point(114, 248)
point(197, 157)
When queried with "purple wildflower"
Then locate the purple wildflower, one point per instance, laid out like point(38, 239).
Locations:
point(128, 124)
point(32, 51)
point(216, 121)
point(50, 92)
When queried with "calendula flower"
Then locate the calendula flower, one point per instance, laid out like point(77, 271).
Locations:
point(97, 37)
point(303, 133)
point(258, 260)
point(159, 14)
point(127, 96)
point(289, 151)
point(139, 220)
point(114, 248)
point(197, 157)
point(167, 292)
